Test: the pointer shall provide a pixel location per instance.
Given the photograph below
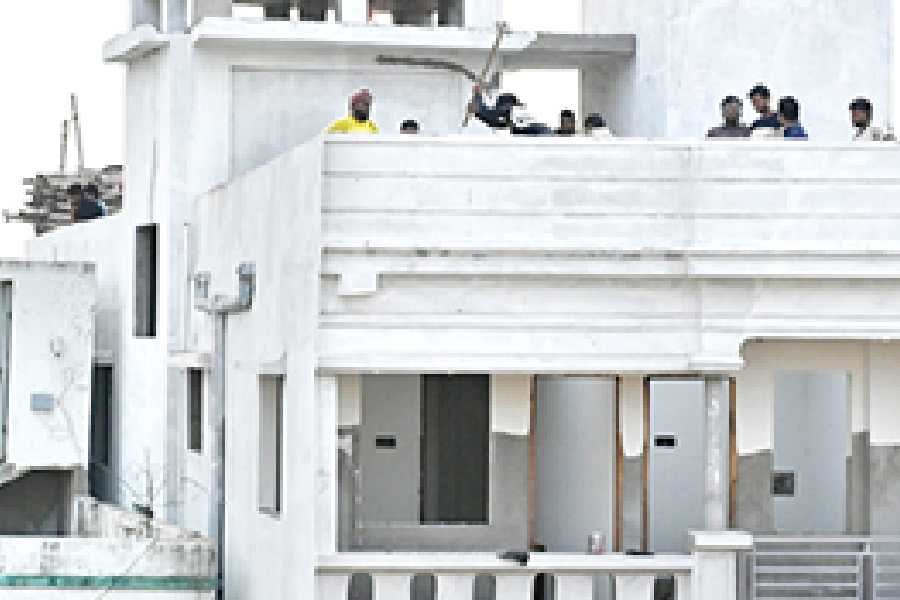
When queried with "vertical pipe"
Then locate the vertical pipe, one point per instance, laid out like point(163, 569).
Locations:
point(217, 419)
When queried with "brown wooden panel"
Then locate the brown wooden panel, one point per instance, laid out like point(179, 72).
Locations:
point(732, 451)
point(645, 475)
point(619, 520)
point(532, 465)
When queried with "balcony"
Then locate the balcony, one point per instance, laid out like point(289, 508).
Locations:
point(708, 573)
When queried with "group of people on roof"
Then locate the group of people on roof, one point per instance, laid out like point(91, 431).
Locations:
point(785, 122)
point(508, 113)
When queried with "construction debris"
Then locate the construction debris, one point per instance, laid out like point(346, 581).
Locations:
point(52, 197)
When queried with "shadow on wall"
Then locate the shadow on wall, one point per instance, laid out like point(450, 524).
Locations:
point(37, 503)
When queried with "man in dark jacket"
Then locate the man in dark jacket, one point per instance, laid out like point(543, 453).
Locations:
point(506, 114)
point(760, 96)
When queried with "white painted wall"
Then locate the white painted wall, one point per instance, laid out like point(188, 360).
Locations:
point(674, 252)
point(50, 344)
point(692, 53)
point(268, 556)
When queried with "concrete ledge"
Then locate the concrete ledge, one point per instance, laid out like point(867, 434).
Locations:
point(441, 563)
point(133, 44)
point(721, 541)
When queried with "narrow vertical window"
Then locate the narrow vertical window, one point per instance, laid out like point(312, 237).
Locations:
point(271, 391)
point(145, 280)
point(195, 410)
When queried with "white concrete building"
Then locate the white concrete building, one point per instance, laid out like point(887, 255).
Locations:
point(401, 355)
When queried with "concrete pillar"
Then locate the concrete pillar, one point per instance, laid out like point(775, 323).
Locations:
point(354, 11)
point(145, 12)
point(326, 485)
point(210, 8)
point(482, 13)
point(716, 453)
point(715, 553)
point(175, 16)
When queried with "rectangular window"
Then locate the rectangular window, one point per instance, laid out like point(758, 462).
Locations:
point(455, 449)
point(101, 431)
point(145, 279)
point(195, 410)
point(271, 392)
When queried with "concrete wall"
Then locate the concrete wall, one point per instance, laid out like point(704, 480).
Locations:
point(675, 253)
point(268, 556)
point(50, 345)
point(692, 53)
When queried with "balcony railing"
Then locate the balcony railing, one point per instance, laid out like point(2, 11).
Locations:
point(708, 573)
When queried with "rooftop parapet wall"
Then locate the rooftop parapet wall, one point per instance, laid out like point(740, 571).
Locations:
point(571, 255)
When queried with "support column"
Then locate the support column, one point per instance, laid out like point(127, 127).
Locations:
point(354, 11)
point(716, 453)
point(175, 16)
point(326, 484)
point(715, 553)
point(145, 12)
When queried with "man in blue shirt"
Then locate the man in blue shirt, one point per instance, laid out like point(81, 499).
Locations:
point(789, 116)
point(759, 96)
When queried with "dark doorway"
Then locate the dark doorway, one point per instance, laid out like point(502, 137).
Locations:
point(455, 448)
point(99, 471)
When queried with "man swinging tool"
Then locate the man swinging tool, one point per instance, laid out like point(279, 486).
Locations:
point(502, 30)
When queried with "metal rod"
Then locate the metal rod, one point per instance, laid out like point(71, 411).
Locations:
point(495, 49)
point(63, 146)
point(76, 124)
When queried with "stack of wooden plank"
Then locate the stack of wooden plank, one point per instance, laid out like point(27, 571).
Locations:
point(50, 196)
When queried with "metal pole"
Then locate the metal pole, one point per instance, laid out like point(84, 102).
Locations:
point(76, 124)
point(217, 416)
point(63, 146)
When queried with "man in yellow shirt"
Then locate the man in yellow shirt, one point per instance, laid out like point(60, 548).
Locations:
point(358, 119)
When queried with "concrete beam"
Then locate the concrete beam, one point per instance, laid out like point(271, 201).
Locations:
point(210, 8)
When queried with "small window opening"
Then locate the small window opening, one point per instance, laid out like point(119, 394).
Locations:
point(271, 393)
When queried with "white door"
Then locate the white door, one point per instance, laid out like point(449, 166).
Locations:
point(812, 437)
point(575, 464)
point(677, 471)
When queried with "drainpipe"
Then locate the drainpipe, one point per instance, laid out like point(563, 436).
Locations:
point(219, 307)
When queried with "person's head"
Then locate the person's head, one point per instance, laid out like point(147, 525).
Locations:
point(567, 122)
point(861, 112)
point(409, 126)
point(593, 121)
point(507, 101)
point(731, 110)
point(759, 96)
point(361, 105)
point(788, 111)
point(91, 192)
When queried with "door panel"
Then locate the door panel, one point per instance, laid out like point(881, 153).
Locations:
point(812, 432)
point(677, 463)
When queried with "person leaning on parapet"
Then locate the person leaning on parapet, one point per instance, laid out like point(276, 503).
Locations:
point(358, 119)
point(759, 96)
point(789, 117)
point(595, 126)
point(507, 113)
point(861, 116)
point(568, 125)
point(731, 126)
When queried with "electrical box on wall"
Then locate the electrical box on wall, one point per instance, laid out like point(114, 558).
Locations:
point(42, 402)
point(783, 483)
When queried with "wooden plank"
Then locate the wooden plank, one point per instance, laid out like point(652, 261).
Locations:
point(645, 470)
point(732, 453)
point(619, 518)
point(532, 464)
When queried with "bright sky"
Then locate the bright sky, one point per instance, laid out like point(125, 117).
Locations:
point(51, 48)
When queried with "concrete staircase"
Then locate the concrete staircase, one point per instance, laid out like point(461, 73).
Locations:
point(808, 567)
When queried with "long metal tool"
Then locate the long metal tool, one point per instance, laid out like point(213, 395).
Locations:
point(502, 30)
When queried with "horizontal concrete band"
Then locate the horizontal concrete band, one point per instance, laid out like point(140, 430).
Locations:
point(115, 582)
